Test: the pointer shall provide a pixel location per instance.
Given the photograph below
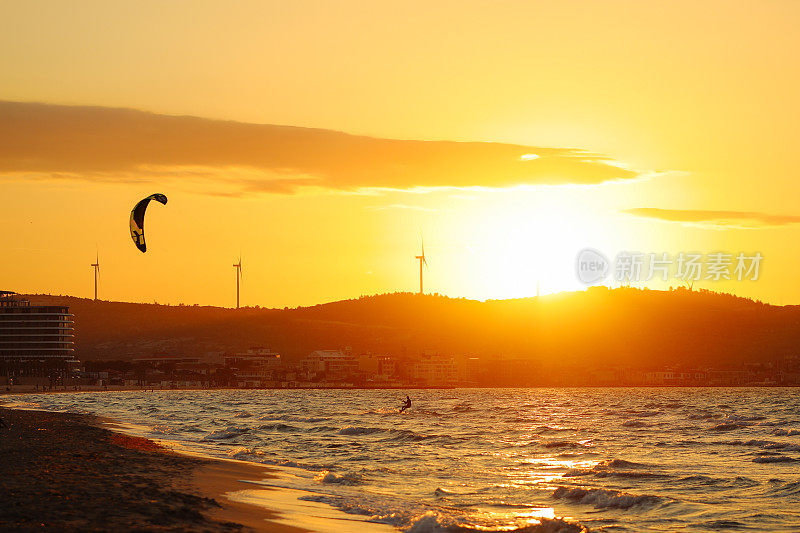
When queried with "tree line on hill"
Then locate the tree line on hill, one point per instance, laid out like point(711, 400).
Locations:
point(596, 328)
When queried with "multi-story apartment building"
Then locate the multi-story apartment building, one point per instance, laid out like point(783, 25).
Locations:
point(33, 338)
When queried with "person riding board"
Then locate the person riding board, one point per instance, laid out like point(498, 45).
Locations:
point(406, 405)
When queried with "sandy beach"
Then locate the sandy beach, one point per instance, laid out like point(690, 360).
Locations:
point(63, 471)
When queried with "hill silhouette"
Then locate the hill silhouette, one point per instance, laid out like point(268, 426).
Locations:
point(594, 328)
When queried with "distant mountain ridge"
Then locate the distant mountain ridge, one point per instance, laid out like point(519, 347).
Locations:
point(594, 328)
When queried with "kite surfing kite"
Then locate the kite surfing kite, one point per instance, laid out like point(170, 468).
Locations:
point(137, 219)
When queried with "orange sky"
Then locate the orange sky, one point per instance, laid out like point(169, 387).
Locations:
point(658, 126)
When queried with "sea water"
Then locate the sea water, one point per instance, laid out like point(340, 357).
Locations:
point(549, 460)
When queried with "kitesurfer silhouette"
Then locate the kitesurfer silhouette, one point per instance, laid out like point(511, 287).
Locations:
point(406, 405)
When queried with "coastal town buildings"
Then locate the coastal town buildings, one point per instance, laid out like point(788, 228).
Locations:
point(254, 368)
point(35, 340)
point(434, 369)
point(333, 364)
point(36, 351)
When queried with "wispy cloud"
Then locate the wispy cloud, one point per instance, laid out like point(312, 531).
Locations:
point(715, 219)
point(401, 206)
point(114, 145)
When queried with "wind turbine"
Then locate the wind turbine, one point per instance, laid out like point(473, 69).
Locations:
point(421, 262)
point(96, 266)
point(238, 267)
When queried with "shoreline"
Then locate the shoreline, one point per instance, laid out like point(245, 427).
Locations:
point(71, 472)
point(19, 390)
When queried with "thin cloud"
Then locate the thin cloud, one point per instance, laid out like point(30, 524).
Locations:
point(402, 206)
point(113, 145)
point(715, 219)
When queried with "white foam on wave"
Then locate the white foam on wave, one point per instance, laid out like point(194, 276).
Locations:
point(436, 522)
point(606, 498)
point(416, 519)
point(226, 433)
point(348, 478)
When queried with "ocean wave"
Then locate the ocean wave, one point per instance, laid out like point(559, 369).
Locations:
point(359, 430)
point(638, 412)
point(381, 411)
point(773, 423)
point(322, 429)
point(550, 444)
point(767, 459)
point(737, 482)
point(243, 414)
point(543, 430)
point(745, 418)
point(786, 432)
point(629, 475)
point(717, 525)
point(622, 463)
point(678, 443)
point(288, 463)
point(728, 426)
point(416, 519)
point(280, 427)
point(242, 452)
point(783, 446)
point(763, 444)
point(703, 416)
point(635, 424)
point(619, 468)
point(575, 455)
point(348, 478)
point(663, 405)
point(430, 412)
point(577, 472)
point(291, 418)
point(789, 488)
point(406, 435)
point(606, 498)
point(436, 522)
point(229, 432)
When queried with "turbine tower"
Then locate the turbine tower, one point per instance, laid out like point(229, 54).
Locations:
point(96, 266)
point(421, 262)
point(238, 267)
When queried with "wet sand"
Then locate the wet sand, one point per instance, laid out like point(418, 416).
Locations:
point(64, 472)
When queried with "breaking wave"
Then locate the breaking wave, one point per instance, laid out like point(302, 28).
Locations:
point(606, 498)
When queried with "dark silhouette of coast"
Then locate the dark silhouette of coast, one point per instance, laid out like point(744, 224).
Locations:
point(598, 328)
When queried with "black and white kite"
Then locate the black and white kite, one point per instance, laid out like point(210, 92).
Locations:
point(137, 219)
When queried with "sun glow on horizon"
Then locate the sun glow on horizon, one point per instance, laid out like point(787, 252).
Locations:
point(520, 243)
